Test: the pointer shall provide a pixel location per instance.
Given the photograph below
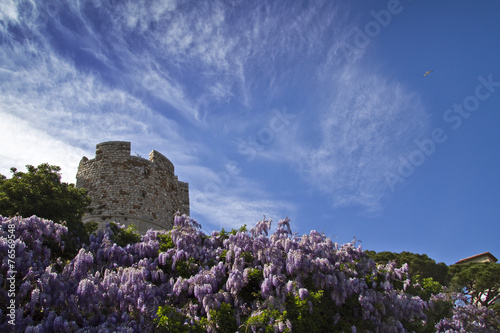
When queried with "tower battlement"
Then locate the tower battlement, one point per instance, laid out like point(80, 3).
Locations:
point(130, 189)
point(162, 162)
point(112, 150)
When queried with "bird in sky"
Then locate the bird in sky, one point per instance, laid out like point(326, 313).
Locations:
point(427, 73)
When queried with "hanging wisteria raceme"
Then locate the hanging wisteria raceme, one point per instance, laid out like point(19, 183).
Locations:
point(467, 317)
point(181, 280)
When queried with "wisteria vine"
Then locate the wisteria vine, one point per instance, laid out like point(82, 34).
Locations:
point(183, 280)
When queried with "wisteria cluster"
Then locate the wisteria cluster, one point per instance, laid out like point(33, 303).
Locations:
point(103, 287)
point(468, 317)
point(277, 282)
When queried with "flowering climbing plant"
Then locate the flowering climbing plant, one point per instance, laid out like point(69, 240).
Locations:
point(183, 280)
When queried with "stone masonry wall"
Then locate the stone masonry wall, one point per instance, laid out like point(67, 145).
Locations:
point(130, 189)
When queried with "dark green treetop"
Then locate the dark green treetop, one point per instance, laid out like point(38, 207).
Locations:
point(481, 281)
point(40, 192)
point(419, 264)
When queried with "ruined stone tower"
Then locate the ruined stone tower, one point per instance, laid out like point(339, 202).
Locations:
point(130, 189)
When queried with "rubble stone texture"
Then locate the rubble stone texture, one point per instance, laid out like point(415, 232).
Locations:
point(130, 189)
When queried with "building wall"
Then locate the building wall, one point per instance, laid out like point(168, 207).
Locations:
point(480, 260)
point(130, 189)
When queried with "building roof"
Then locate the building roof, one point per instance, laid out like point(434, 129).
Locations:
point(486, 256)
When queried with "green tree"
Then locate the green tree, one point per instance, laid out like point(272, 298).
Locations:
point(419, 264)
point(430, 277)
point(40, 192)
point(481, 281)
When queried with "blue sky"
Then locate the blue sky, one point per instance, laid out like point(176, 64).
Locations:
point(315, 110)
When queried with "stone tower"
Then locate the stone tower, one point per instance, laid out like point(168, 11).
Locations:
point(130, 189)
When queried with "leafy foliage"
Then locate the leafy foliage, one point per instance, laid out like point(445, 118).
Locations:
point(172, 320)
point(481, 281)
point(166, 242)
point(124, 236)
point(419, 264)
point(39, 191)
point(223, 320)
point(268, 320)
point(225, 234)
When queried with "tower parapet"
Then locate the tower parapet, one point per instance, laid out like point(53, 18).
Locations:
point(113, 150)
point(130, 189)
point(161, 162)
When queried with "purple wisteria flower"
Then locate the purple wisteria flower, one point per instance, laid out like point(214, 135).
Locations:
point(108, 287)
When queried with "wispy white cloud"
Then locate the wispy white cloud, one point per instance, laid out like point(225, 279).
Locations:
point(233, 211)
point(22, 145)
point(151, 79)
point(227, 198)
point(365, 125)
point(198, 60)
point(52, 94)
point(199, 56)
point(191, 41)
point(8, 11)
point(351, 137)
point(52, 108)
